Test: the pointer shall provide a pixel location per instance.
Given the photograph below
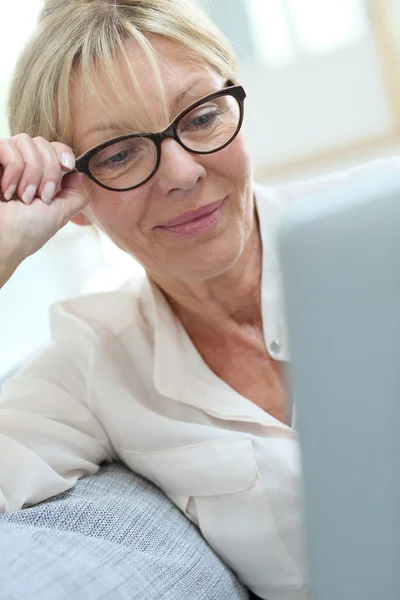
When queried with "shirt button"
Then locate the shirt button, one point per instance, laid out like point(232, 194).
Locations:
point(275, 347)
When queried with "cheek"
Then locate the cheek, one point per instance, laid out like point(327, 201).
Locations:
point(233, 162)
point(116, 211)
point(241, 155)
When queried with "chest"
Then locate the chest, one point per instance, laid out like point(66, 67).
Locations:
point(247, 367)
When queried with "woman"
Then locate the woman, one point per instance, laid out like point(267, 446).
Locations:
point(181, 374)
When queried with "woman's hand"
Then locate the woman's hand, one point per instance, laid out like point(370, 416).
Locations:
point(37, 197)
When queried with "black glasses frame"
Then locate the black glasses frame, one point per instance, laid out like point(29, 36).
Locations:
point(82, 162)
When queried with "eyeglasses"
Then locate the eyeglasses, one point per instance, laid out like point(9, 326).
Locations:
point(128, 161)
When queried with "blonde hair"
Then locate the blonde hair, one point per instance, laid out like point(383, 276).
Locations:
point(86, 36)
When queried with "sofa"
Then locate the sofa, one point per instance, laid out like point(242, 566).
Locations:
point(114, 536)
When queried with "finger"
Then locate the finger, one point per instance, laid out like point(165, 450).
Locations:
point(33, 167)
point(12, 166)
point(65, 156)
point(50, 181)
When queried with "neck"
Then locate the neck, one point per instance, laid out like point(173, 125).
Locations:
point(232, 297)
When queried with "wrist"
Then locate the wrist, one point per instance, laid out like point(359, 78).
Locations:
point(7, 268)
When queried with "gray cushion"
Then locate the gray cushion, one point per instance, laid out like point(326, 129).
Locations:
point(114, 536)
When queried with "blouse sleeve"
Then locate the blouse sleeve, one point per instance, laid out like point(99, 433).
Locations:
point(49, 437)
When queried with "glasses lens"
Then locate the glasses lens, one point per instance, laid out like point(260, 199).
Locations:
point(211, 125)
point(124, 164)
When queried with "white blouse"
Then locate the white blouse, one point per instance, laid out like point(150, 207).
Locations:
point(122, 380)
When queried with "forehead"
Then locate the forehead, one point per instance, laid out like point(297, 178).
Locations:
point(126, 108)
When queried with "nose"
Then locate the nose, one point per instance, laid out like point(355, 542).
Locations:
point(179, 169)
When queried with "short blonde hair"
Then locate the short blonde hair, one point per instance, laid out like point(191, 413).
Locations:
point(87, 36)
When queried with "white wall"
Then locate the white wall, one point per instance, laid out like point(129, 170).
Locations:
point(3, 95)
point(17, 22)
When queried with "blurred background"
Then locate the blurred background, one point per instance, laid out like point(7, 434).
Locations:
point(323, 85)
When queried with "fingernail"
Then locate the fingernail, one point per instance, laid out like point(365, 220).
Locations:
point(29, 194)
point(48, 192)
point(67, 161)
point(10, 192)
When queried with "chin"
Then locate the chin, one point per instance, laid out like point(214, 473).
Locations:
point(208, 261)
point(205, 257)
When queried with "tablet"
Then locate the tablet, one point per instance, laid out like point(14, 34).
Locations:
point(340, 254)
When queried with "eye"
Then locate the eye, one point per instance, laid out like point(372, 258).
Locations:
point(119, 157)
point(113, 160)
point(204, 120)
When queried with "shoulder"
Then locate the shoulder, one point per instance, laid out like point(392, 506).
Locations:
point(103, 314)
point(84, 331)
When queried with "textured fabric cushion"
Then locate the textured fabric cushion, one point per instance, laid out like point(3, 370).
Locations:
point(112, 537)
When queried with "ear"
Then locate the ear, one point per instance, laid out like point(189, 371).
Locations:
point(75, 183)
point(81, 219)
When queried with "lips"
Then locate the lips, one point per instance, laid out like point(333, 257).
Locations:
point(193, 214)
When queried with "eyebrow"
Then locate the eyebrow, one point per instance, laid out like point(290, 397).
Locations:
point(118, 126)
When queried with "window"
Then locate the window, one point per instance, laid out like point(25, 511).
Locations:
point(287, 30)
point(271, 31)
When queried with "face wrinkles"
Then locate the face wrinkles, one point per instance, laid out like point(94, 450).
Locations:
point(183, 182)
